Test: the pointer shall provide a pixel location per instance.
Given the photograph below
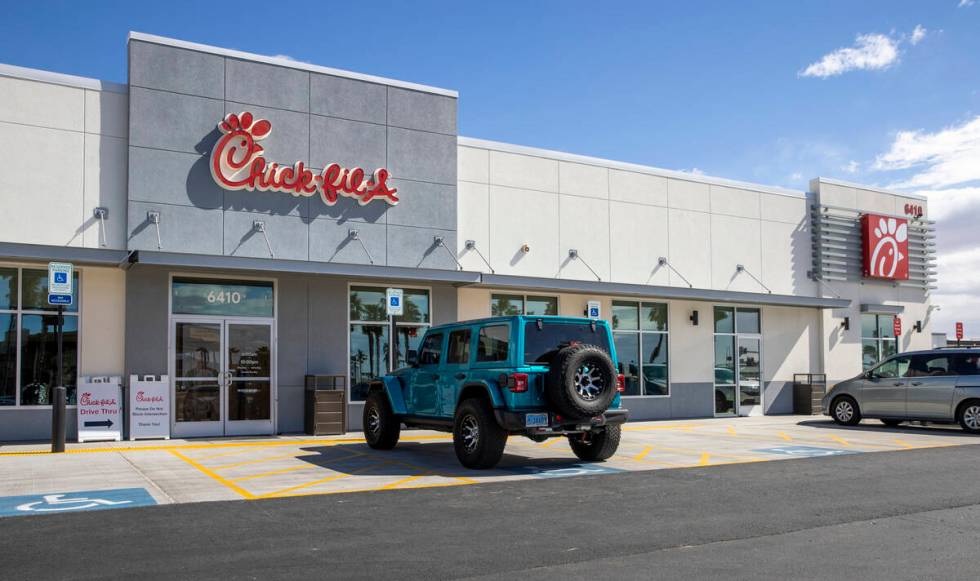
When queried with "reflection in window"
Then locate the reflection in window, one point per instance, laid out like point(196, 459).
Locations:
point(877, 339)
point(39, 353)
point(640, 330)
point(502, 305)
point(493, 343)
point(368, 357)
point(459, 347)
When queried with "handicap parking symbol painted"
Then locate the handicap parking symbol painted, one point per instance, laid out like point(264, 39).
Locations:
point(805, 451)
point(74, 501)
point(563, 470)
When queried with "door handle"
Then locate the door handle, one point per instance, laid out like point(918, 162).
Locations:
point(916, 383)
point(897, 384)
point(460, 376)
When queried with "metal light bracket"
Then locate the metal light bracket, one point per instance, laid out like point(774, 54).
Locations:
point(259, 226)
point(574, 255)
point(662, 261)
point(102, 214)
point(441, 241)
point(153, 217)
point(739, 268)
point(355, 235)
point(471, 245)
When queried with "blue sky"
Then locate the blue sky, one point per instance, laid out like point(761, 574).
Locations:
point(886, 93)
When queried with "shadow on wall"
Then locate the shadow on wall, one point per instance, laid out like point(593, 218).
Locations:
point(801, 262)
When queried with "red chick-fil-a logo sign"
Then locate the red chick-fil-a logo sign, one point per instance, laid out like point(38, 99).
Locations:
point(237, 164)
point(886, 247)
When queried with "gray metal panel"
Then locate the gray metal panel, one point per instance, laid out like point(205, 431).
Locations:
point(665, 292)
point(424, 204)
point(882, 309)
point(147, 300)
point(416, 247)
point(347, 98)
point(261, 84)
point(778, 397)
point(348, 209)
point(292, 320)
point(348, 143)
point(289, 408)
point(266, 203)
point(648, 408)
point(288, 236)
point(169, 177)
point(422, 156)
point(170, 121)
point(15, 251)
point(28, 424)
point(298, 266)
point(168, 68)
point(182, 228)
point(423, 111)
point(692, 400)
point(330, 241)
point(289, 140)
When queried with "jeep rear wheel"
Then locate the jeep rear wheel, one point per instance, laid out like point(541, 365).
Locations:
point(381, 426)
point(582, 381)
point(478, 439)
point(596, 446)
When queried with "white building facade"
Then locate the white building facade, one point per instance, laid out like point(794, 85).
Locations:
point(719, 292)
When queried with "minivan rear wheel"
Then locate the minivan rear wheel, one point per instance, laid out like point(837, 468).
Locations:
point(845, 411)
point(969, 416)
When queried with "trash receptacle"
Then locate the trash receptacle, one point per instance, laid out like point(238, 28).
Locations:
point(326, 405)
point(808, 390)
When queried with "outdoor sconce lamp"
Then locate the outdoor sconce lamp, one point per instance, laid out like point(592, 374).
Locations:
point(846, 324)
point(525, 248)
point(694, 318)
point(918, 326)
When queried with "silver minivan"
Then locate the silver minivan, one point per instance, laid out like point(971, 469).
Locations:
point(941, 385)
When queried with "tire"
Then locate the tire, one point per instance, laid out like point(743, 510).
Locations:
point(845, 411)
point(596, 447)
point(969, 416)
point(381, 426)
point(478, 439)
point(891, 423)
point(582, 381)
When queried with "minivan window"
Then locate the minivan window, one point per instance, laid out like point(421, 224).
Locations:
point(493, 343)
point(927, 366)
point(965, 364)
point(543, 340)
point(459, 347)
point(892, 368)
point(431, 351)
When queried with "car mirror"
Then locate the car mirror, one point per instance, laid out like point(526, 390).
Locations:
point(412, 358)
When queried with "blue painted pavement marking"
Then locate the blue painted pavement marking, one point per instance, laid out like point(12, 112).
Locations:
point(805, 451)
point(562, 470)
point(74, 501)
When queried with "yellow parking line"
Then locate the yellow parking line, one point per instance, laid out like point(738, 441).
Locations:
point(904, 444)
point(260, 460)
point(648, 428)
point(643, 453)
point(217, 478)
point(731, 430)
point(551, 442)
point(705, 459)
point(785, 436)
point(305, 485)
point(840, 440)
point(403, 481)
point(274, 472)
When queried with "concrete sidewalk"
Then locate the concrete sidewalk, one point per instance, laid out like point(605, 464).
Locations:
point(178, 471)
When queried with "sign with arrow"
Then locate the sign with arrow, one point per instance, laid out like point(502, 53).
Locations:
point(100, 409)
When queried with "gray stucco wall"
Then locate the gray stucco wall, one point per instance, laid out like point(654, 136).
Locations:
point(177, 98)
point(687, 400)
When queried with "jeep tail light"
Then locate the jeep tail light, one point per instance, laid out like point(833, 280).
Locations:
point(621, 383)
point(517, 382)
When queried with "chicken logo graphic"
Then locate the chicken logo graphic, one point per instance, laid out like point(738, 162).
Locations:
point(886, 247)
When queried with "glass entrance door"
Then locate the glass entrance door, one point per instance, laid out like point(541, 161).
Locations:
point(223, 377)
point(749, 376)
point(738, 362)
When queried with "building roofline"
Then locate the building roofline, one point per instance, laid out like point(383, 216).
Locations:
point(15, 72)
point(842, 183)
point(625, 166)
point(282, 62)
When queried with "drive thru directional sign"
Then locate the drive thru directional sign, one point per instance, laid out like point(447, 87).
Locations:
point(74, 501)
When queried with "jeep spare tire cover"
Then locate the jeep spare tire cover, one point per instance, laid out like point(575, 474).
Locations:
point(581, 382)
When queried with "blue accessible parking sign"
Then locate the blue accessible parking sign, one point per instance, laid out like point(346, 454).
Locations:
point(74, 501)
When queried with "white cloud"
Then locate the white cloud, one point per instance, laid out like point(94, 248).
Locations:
point(965, 3)
point(946, 158)
point(850, 167)
point(870, 52)
point(917, 35)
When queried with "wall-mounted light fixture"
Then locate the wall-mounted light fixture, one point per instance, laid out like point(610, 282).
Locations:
point(471, 245)
point(918, 326)
point(153, 217)
point(102, 214)
point(694, 318)
point(525, 248)
point(846, 324)
point(259, 226)
point(740, 268)
point(573, 255)
point(355, 235)
point(441, 241)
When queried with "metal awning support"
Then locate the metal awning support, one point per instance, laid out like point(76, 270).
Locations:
point(574, 255)
point(354, 235)
point(816, 276)
point(441, 241)
point(259, 226)
point(662, 261)
point(101, 214)
point(740, 268)
point(154, 218)
point(471, 245)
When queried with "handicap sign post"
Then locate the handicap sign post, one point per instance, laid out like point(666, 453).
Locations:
point(394, 307)
point(60, 278)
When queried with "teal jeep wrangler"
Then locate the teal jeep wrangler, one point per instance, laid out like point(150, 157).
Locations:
point(533, 376)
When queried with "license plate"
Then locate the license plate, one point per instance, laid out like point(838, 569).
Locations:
point(536, 420)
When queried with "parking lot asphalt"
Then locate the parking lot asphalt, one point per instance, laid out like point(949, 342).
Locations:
point(256, 468)
point(890, 515)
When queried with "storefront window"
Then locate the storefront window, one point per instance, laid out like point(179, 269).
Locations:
point(228, 298)
point(369, 332)
point(640, 333)
point(507, 305)
point(877, 339)
point(29, 339)
point(737, 359)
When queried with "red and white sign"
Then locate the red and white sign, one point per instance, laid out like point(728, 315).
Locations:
point(897, 327)
point(237, 164)
point(99, 409)
point(886, 247)
point(149, 407)
point(959, 331)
